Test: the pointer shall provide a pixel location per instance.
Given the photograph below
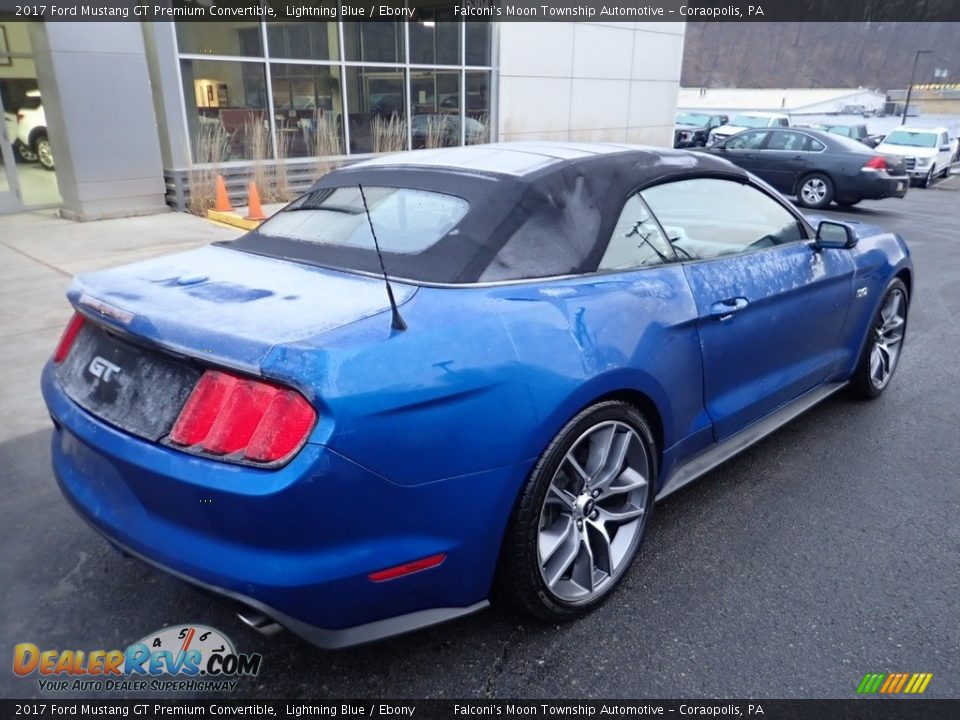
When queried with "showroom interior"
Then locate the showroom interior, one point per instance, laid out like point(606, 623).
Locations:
point(136, 114)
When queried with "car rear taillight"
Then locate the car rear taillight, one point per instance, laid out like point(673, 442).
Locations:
point(66, 340)
point(876, 163)
point(231, 415)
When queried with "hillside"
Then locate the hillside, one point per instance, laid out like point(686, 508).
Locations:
point(877, 55)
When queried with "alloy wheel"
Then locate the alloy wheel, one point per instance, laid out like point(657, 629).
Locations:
point(45, 153)
point(813, 191)
point(887, 338)
point(593, 513)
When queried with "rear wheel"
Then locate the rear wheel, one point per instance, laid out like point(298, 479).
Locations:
point(881, 353)
point(44, 152)
point(582, 514)
point(815, 191)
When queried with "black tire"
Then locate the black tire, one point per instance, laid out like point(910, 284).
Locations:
point(821, 191)
point(863, 384)
point(925, 183)
point(41, 146)
point(519, 577)
point(847, 203)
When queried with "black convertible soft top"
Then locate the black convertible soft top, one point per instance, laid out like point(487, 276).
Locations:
point(535, 209)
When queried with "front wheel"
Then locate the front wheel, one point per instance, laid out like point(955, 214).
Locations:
point(928, 179)
point(23, 152)
point(815, 191)
point(881, 352)
point(582, 514)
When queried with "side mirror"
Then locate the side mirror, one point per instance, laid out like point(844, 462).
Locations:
point(945, 148)
point(834, 235)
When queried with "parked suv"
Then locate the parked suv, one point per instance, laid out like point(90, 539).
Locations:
point(692, 128)
point(857, 132)
point(747, 121)
point(32, 129)
point(927, 152)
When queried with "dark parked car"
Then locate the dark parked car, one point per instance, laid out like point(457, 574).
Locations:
point(693, 129)
point(816, 167)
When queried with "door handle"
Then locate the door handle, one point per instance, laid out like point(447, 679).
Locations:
point(726, 309)
point(798, 157)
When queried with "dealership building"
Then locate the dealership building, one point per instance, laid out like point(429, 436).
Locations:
point(138, 115)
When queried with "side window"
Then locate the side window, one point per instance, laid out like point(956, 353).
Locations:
point(747, 140)
point(814, 145)
point(780, 140)
point(636, 240)
point(783, 122)
point(708, 217)
point(943, 139)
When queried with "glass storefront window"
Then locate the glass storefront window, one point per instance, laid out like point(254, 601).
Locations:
point(434, 92)
point(303, 40)
point(226, 110)
point(435, 38)
point(479, 36)
point(308, 109)
point(435, 103)
point(220, 38)
point(477, 109)
point(373, 42)
point(377, 109)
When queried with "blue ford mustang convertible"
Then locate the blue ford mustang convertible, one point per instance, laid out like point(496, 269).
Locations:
point(446, 371)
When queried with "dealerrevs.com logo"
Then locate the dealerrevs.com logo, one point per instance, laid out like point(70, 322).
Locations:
point(177, 658)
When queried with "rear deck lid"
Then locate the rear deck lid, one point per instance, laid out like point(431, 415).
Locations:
point(229, 307)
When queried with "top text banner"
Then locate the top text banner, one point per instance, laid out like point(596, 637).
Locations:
point(484, 10)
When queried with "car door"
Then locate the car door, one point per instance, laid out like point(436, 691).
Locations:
point(770, 306)
point(743, 149)
point(784, 158)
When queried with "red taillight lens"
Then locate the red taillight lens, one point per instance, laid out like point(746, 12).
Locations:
point(66, 340)
point(876, 163)
point(226, 414)
point(408, 568)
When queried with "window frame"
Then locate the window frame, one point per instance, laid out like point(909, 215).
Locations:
point(805, 227)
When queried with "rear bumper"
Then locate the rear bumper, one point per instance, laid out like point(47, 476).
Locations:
point(296, 543)
point(873, 186)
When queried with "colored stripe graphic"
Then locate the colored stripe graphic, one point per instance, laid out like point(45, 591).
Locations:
point(894, 683)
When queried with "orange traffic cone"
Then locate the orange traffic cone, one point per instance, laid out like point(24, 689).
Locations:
point(222, 202)
point(254, 211)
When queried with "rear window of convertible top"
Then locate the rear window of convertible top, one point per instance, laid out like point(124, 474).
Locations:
point(406, 221)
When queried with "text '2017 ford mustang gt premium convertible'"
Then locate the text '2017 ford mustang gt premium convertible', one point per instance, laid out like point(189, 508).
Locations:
point(447, 370)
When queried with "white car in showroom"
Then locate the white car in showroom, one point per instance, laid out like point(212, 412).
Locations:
point(747, 121)
point(927, 152)
point(32, 129)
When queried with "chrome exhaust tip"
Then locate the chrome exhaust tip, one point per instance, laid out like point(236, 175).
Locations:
point(259, 622)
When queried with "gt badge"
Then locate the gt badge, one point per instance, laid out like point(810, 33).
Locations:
point(103, 369)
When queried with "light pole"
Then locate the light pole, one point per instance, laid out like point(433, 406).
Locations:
point(913, 75)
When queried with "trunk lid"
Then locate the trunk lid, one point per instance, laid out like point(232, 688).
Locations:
point(228, 307)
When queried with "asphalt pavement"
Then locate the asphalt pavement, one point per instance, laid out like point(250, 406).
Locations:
point(829, 550)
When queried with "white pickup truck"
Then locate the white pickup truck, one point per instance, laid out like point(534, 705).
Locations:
point(927, 152)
